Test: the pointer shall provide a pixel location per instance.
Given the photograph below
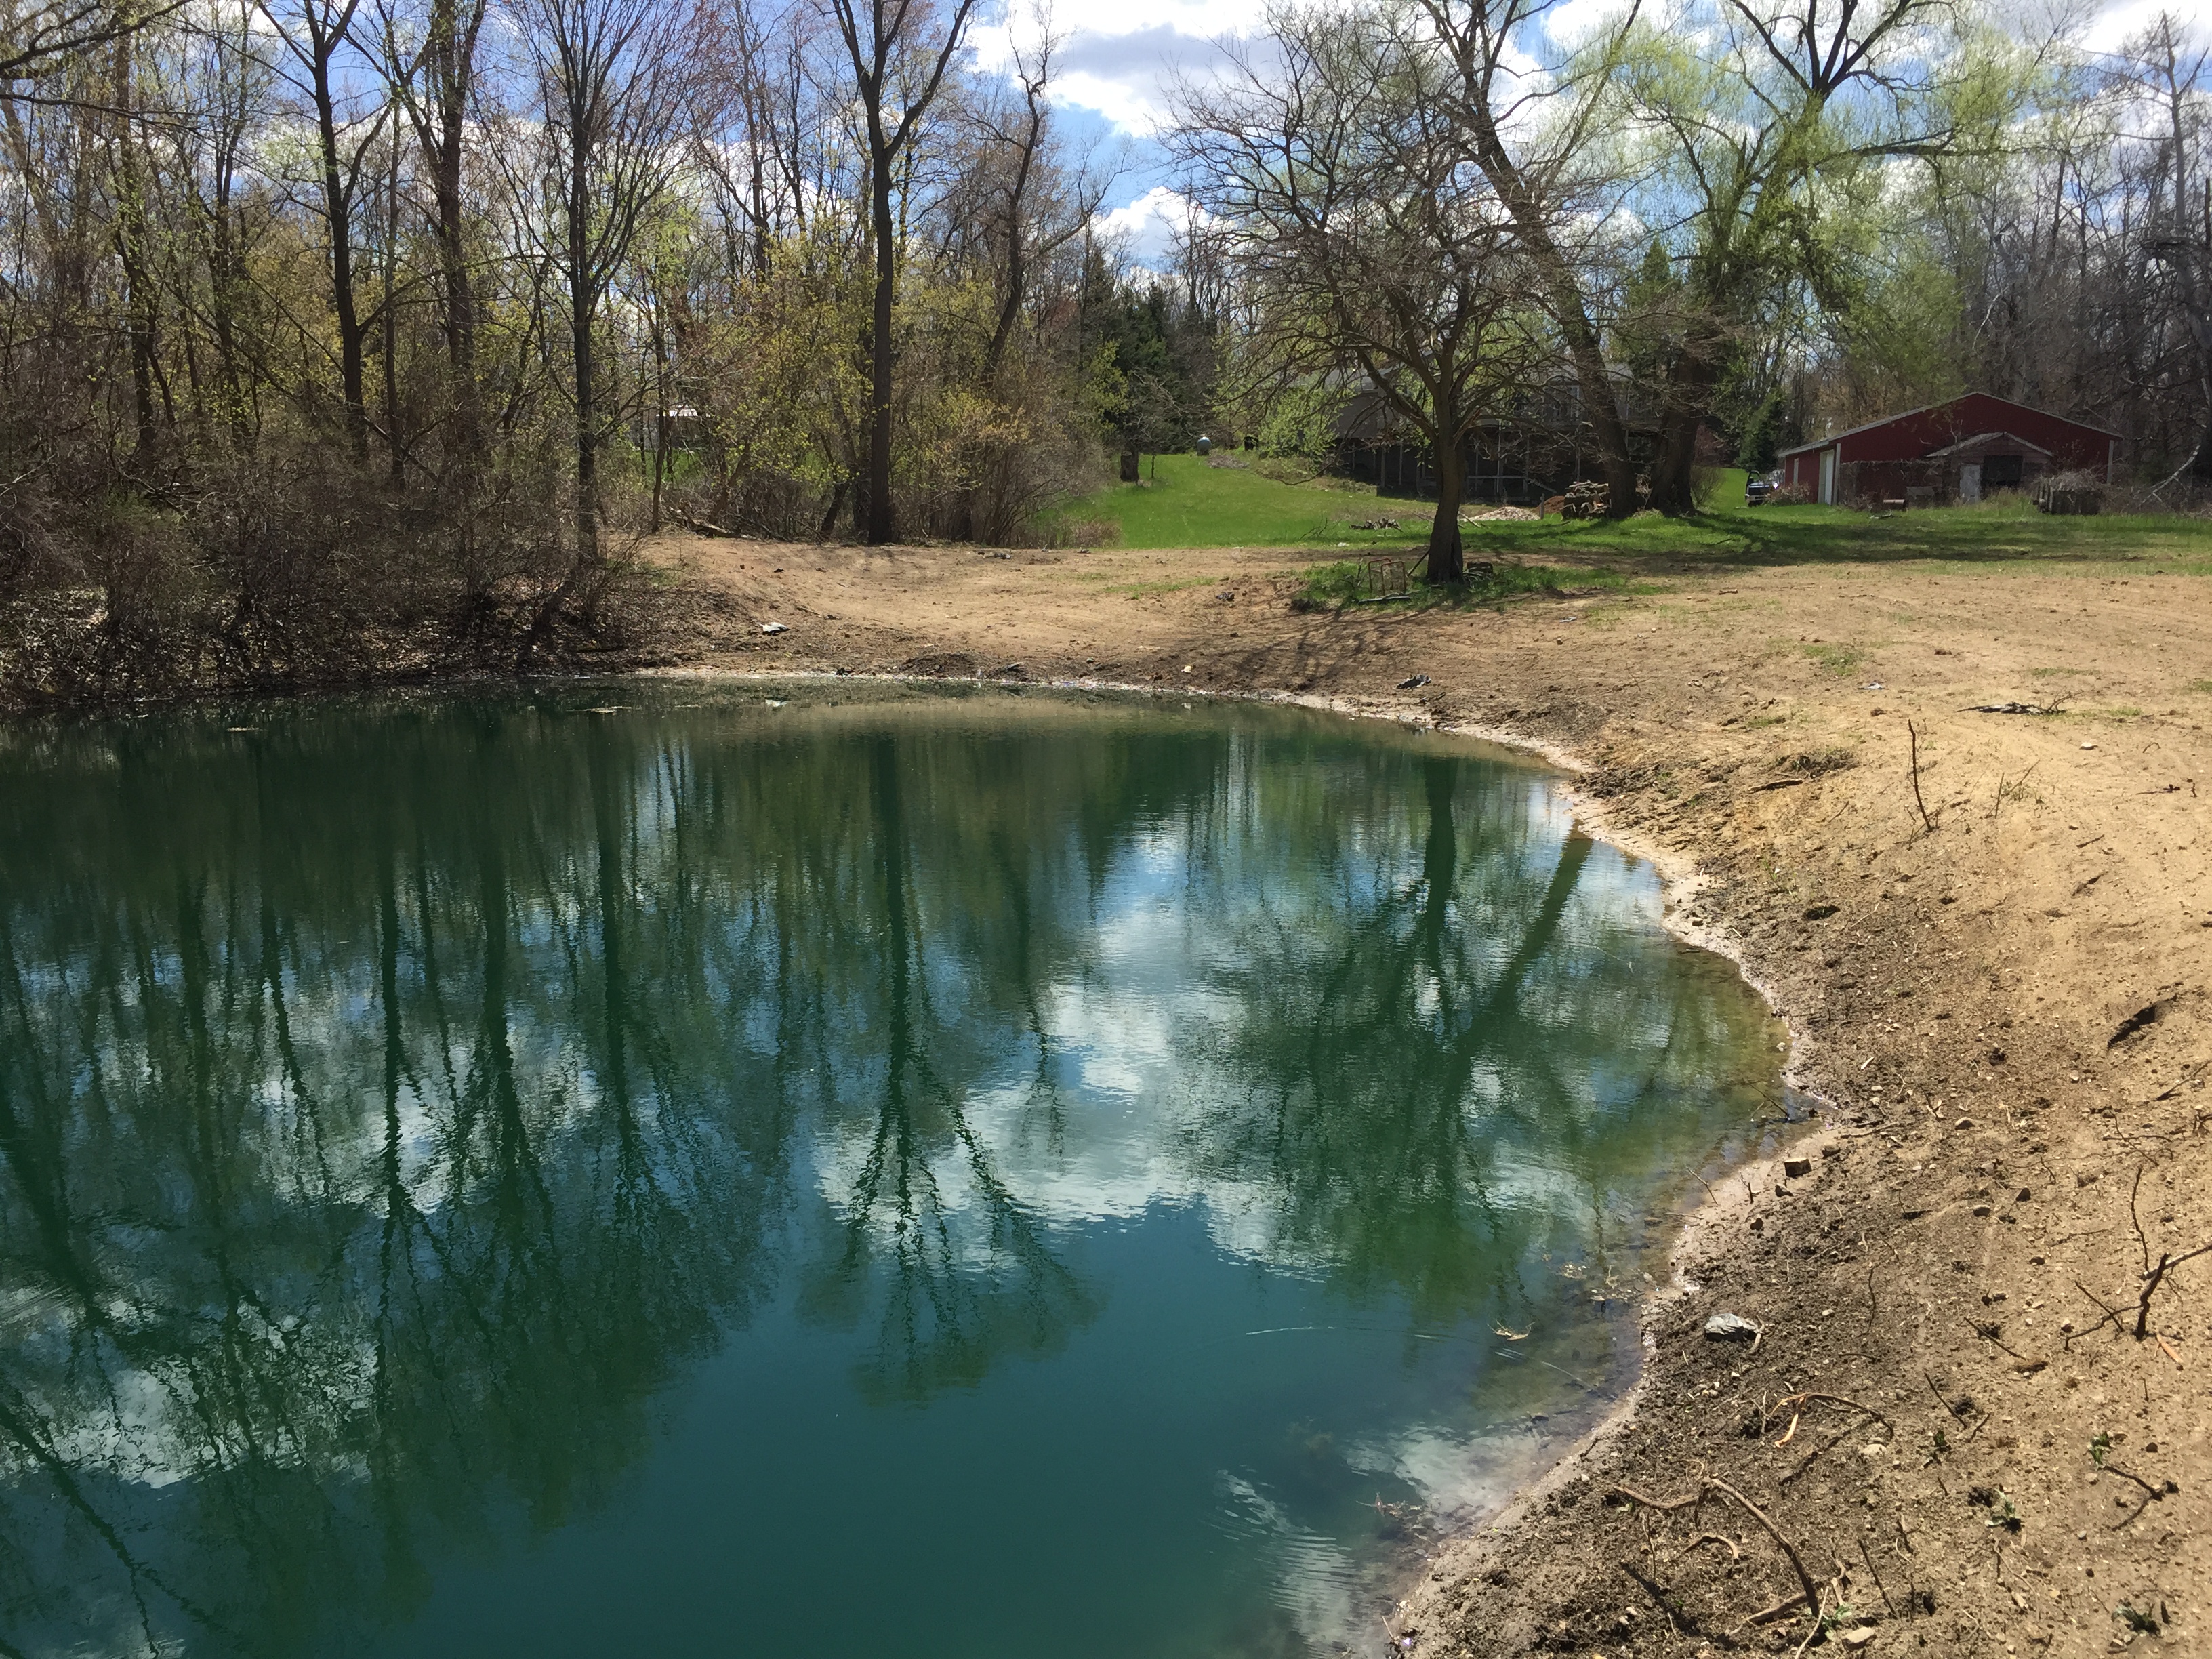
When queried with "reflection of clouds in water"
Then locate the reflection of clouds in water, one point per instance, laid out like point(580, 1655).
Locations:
point(1457, 1476)
point(1143, 1053)
point(1315, 1583)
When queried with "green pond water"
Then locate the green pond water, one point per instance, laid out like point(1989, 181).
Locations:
point(884, 1170)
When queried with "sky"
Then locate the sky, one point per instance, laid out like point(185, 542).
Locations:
point(1118, 57)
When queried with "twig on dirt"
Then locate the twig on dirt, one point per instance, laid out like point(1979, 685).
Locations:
point(2110, 1314)
point(1949, 1410)
point(1990, 1331)
point(1683, 1624)
point(1710, 1484)
point(2012, 788)
point(2136, 1221)
point(1734, 1550)
point(2179, 1083)
point(1913, 731)
point(1811, 1633)
point(1867, 1556)
point(1796, 1598)
point(2151, 1495)
point(2151, 1280)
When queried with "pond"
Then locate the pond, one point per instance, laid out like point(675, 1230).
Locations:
point(701, 1167)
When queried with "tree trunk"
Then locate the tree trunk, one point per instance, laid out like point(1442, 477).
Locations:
point(452, 57)
point(337, 207)
point(581, 308)
point(1689, 391)
point(1563, 298)
point(878, 529)
point(389, 346)
point(131, 250)
point(1447, 556)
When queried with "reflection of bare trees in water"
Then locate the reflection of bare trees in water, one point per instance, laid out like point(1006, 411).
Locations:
point(968, 1276)
point(376, 1146)
point(1405, 1065)
point(389, 1108)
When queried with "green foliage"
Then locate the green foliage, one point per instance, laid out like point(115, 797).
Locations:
point(1301, 421)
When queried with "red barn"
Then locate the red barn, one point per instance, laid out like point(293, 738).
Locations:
point(1954, 451)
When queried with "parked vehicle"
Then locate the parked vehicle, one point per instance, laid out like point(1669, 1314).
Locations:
point(1757, 489)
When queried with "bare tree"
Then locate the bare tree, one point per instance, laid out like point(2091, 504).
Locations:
point(316, 33)
point(610, 93)
point(2168, 72)
point(35, 37)
point(434, 80)
point(1370, 247)
point(883, 39)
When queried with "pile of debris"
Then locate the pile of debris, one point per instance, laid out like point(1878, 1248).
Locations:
point(1586, 498)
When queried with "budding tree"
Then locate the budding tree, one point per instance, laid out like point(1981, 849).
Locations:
point(1368, 244)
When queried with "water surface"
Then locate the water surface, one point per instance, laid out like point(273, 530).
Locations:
point(901, 1171)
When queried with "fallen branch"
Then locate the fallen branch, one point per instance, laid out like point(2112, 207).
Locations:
point(1913, 731)
point(1708, 1485)
point(1767, 1615)
point(1867, 1555)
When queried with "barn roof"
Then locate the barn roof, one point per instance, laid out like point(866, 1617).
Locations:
point(1925, 408)
point(1983, 438)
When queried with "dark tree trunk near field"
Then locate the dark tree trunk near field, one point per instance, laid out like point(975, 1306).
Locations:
point(611, 87)
point(1447, 554)
point(879, 39)
point(1479, 34)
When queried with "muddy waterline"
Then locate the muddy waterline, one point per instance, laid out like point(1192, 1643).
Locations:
point(714, 1170)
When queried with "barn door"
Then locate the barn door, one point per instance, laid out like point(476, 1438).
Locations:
point(1827, 478)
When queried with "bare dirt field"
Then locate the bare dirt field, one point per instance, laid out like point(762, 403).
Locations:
point(1970, 1414)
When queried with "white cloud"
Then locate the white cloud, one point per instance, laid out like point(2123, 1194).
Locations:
point(1118, 58)
point(1149, 224)
point(2115, 25)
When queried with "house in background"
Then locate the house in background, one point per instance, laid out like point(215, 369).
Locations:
point(1958, 450)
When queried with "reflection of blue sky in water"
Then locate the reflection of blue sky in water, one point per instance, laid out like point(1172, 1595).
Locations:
point(1007, 1172)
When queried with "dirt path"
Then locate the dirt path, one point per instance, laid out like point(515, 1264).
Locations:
point(2016, 1471)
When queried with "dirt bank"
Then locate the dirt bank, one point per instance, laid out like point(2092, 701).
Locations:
point(1995, 971)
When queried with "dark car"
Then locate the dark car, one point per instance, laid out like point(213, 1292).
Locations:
point(1756, 490)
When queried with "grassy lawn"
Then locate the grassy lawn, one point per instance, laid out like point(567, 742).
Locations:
point(1194, 505)
point(1731, 534)
point(1191, 504)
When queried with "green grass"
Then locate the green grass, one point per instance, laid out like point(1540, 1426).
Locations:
point(1729, 535)
point(1836, 659)
point(1194, 505)
point(1330, 586)
point(1190, 504)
